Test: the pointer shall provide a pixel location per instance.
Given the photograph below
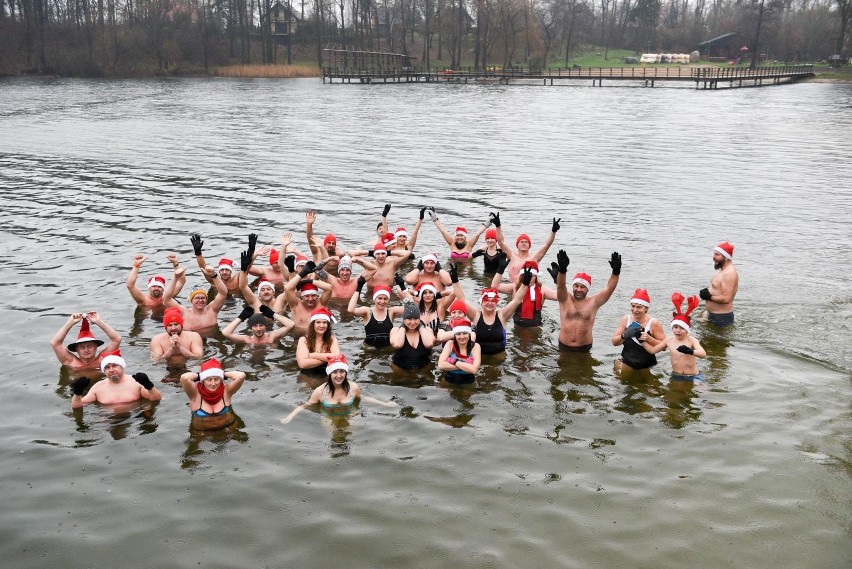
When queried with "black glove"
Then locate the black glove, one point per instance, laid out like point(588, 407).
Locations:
point(290, 263)
point(400, 282)
point(245, 261)
point(361, 282)
point(454, 273)
point(420, 265)
point(562, 261)
point(309, 267)
point(477, 253)
point(705, 294)
point(495, 219)
point(685, 350)
point(526, 276)
point(268, 312)
point(371, 253)
point(555, 227)
point(386, 211)
point(439, 295)
point(503, 263)
point(631, 332)
point(437, 266)
point(553, 269)
point(197, 243)
point(246, 313)
point(422, 213)
point(142, 379)
point(615, 263)
point(252, 241)
point(79, 385)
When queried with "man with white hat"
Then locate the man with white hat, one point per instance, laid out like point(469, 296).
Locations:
point(82, 353)
point(719, 296)
point(118, 387)
point(156, 284)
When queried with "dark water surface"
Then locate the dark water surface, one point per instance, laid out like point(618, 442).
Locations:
point(551, 461)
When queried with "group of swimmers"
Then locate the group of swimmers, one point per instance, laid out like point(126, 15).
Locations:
point(294, 289)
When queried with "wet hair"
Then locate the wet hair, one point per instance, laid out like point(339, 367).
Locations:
point(311, 338)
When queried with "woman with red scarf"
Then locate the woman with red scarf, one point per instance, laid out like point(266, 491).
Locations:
point(209, 395)
point(528, 314)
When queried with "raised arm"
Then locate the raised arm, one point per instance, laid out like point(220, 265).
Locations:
point(174, 287)
point(604, 295)
point(114, 337)
point(64, 356)
point(197, 246)
point(447, 237)
point(236, 381)
point(542, 251)
point(230, 331)
point(562, 262)
point(221, 290)
point(137, 294)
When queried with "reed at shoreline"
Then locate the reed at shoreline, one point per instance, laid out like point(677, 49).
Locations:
point(268, 71)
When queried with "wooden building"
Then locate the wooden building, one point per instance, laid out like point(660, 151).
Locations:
point(284, 22)
point(726, 47)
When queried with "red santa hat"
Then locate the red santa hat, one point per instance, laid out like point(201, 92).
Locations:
point(388, 239)
point(335, 363)
point(725, 249)
point(681, 320)
point(584, 279)
point(112, 358)
point(491, 233)
point(308, 288)
point(274, 255)
point(380, 290)
point(461, 325)
point(157, 280)
point(400, 232)
point(380, 248)
point(211, 368)
point(225, 265)
point(172, 314)
point(85, 335)
point(430, 257)
point(523, 237)
point(320, 313)
point(458, 304)
point(264, 283)
point(426, 285)
point(489, 293)
point(641, 297)
point(461, 231)
point(330, 238)
point(531, 265)
point(300, 260)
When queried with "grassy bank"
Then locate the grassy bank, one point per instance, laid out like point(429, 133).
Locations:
point(271, 71)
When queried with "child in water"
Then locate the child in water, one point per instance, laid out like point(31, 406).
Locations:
point(683, 347)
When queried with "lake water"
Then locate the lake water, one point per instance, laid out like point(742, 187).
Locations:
point(551, 460)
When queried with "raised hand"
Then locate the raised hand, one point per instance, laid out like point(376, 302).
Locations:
point(79, 385)
point(420, 265)
point(361, 282)
point(143, 380)
point(209, 272)
point(503, 263)
point(562, 261)
point(245, 261)
point(268, 312)
point(246, 312)
point(309, 267)
point(197, 243)
point(526, 276)
point(290, 263)
point(705, 294)
point(685, 350)
point(252, 243)
point(422, 213)
point(454, 273)
point(555, 227)
point(615, 263)
point(495, 219)
point(386, 211)
point(553, 269)
point(138, 260)
point(432, 215)
point(400, 282)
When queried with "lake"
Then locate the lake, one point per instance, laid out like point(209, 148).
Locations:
point(551, 460)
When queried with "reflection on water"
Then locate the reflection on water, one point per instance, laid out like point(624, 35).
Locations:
point(120, 421)
point(203, 443)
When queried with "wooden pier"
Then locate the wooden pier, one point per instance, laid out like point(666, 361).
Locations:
point(373, 67)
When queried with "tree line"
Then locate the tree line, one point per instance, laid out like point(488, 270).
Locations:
point(140, 37)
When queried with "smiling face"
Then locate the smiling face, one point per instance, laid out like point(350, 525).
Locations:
point(580, 291)
point(638, 311)
point(462, 338)
point(461, 239)
point(429, 266)
point(320, 326)
point(310, 300)
point(156, 291)
point(344, 274)
point(381, 301)
point(258, 330)
point(199, 301)
point(266, 294)
point(225, 274)
point(338, 376)
point(212, 382)
point(411, 323)
point(381, 256)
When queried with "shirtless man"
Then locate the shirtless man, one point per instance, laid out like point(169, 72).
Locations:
point(257, 322)
point(86, 346)
point(116, 388)
point(427, 270)
point(683, 348)
point(386, 264)
point(156, 284)
point(719, 297)
point(176, 344)
point(517, 257)
point(303, 296)
point(577, 311)
point(225, 269)
point(343, 285)
point(329, 244)
point(201, 315)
